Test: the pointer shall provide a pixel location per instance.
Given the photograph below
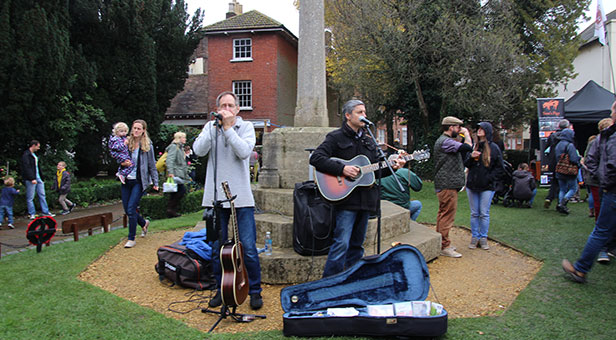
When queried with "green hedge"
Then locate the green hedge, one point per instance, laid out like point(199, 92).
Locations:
point(83, 193)
point(155, 206)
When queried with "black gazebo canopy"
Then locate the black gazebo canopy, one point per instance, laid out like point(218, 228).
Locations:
point(590, 104)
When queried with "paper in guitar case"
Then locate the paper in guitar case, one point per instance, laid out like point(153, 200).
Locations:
point(398, 275)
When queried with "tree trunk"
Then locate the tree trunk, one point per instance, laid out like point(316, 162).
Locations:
point(423, 108)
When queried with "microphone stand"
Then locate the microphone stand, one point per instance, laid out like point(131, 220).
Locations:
point(225, 311)
point(378, 211)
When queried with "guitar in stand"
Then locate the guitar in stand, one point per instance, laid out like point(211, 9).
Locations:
point(336, 188)
point(234, 283)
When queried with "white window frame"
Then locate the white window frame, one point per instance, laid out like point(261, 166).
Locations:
point(241, 50)
point(381, 135)
point(243, 91)
point(404, 137)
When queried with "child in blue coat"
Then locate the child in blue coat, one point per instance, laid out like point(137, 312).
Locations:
point(7, 198)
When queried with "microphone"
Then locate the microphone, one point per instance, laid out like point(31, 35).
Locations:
point(216, 115)
point(365, 120)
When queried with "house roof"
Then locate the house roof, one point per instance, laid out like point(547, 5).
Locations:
point(588, 35)
point(249, 21)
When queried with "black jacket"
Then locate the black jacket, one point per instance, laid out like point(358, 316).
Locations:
point(28, 166)
point(479, 176)
point(343, 143)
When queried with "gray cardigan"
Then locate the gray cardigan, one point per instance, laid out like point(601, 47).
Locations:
point(147, 168)
point(234, 149)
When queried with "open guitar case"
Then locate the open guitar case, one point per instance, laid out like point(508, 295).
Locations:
point(398, 275)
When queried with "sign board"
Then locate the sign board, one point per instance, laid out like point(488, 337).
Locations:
point(550, 112)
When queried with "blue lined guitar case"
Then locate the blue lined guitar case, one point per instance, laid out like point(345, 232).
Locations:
point(398, 275)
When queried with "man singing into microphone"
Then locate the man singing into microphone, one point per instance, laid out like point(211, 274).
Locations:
point(236, 139)
point(352, 213)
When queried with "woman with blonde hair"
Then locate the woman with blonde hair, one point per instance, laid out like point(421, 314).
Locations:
point(178, 170)
point(143, 174)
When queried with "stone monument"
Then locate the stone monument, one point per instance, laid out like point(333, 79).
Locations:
point(285, 160)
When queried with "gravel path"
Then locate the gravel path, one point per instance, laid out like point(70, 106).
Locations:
point(480, 283)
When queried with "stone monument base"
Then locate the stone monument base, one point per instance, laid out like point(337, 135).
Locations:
point(285, 159)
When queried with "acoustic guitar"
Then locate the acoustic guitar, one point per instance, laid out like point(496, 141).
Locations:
point(234, 283)
point(336, 188)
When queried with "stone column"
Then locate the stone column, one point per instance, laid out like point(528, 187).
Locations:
point(311, 107)
point(285, 161)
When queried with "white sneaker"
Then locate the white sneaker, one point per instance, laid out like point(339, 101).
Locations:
point(144, 229)
point(31, 217)
point(483, 242)
point(130, 244)
point(11, 226)
point(450, 252)
point(49, 214)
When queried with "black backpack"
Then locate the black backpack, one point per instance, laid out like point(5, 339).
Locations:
point(184, 267)
point(313, 220)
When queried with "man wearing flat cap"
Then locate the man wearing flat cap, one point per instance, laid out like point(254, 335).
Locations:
point(449, 177)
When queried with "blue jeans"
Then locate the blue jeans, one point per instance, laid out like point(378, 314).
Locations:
point(415, 209)
point(131, 196)
point(9, 213)
point(605, 229)
point(347, 247)
point(247, 230)
point(39, 188)
point(568, 188)
point(532, 199)
point(480, 202)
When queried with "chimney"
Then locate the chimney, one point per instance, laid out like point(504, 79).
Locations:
point(235, 8)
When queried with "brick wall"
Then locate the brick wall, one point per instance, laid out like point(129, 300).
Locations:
point(262, 71)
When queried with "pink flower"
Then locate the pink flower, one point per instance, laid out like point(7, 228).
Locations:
point(188, 163)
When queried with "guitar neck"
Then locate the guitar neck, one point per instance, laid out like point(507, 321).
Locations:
point(375, 166)
point(234, 223)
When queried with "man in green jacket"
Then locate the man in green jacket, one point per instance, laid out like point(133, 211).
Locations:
point(391, 191)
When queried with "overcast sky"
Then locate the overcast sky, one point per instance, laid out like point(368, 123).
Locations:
point(608, 6)
point(285, 12)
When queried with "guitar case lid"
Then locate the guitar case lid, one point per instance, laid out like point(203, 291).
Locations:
point(399, 274)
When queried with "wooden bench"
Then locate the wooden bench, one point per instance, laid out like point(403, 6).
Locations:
point(88, 223)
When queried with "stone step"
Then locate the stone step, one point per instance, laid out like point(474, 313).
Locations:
point(278, 201)
point(285, 266)
point(394, 221)
point(280, 227)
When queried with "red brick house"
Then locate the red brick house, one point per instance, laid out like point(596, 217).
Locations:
point(250, 54)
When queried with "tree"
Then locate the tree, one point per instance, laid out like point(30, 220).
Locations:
point(141, 51)
point(44, 82)
point(476, 60)
point(428, 58)
point(68, 69)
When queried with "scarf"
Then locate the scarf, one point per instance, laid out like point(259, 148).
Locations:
point(59, 176)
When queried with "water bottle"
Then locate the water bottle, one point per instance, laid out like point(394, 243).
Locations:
point(268, 243)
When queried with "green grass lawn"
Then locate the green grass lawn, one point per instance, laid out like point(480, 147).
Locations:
point(41, 298)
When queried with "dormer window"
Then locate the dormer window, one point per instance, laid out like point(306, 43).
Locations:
point(242, 49)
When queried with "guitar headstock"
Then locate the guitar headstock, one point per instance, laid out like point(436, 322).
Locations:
point(417, 155)
point(421, 155)
point(225, 188)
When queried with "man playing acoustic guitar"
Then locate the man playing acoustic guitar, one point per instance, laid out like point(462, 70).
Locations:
point(352, 212)
point(236, 139)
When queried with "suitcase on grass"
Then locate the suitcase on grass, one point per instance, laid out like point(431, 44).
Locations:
point(393, 278)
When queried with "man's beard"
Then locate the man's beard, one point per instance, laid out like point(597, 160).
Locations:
point(454, 134)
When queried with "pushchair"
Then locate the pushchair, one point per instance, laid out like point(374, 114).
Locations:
point(503, 183)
